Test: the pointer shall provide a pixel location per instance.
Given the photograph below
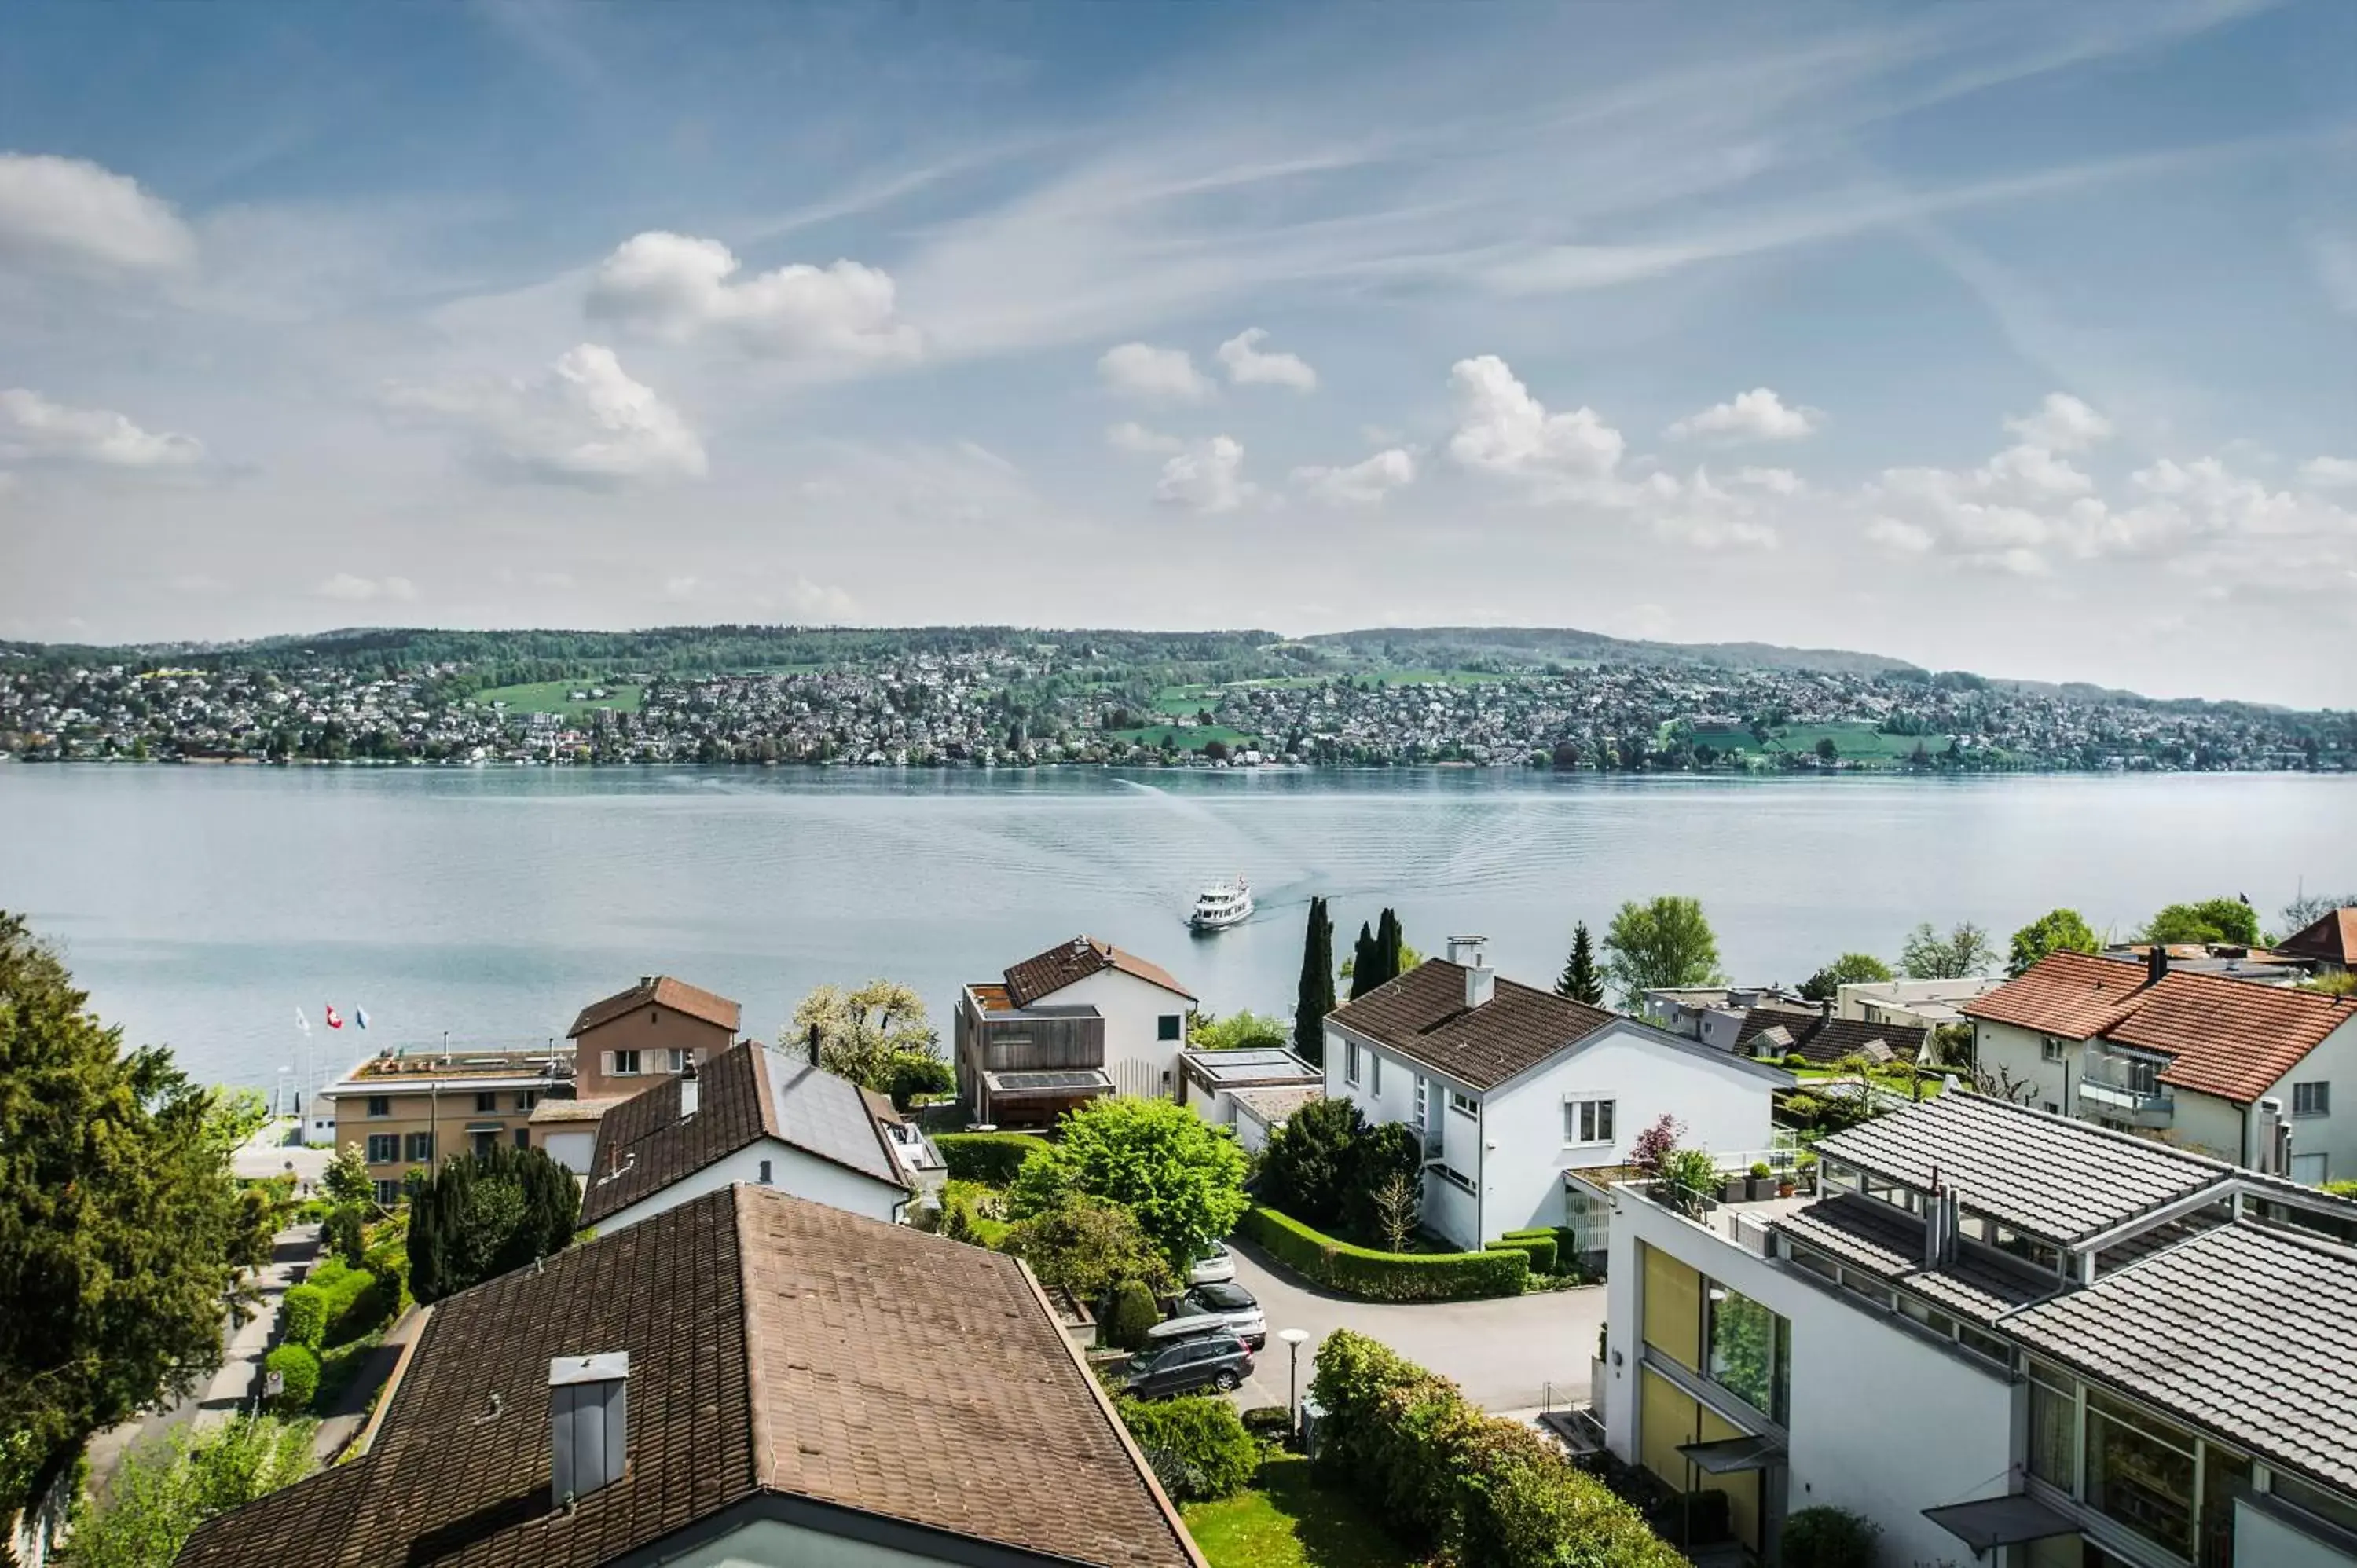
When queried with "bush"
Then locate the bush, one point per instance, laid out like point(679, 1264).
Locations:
point(1540, 1250)
point(339, 1234)
point(989, 1157)
point(1310, 1160)
point(1828, 1537)
point(299, 1366)
point(1197, 1444)
point(303, 1316)
point(1384, 1276)
point(1134, 1313)
point(1269, 1422)
point(354, 1301)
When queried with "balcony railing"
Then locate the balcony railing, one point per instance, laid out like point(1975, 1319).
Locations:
point(2126, 1101)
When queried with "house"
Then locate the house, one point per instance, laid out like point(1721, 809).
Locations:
point(1262, 1112)
point(1214, 1083)
point(2004, 1337)
point(1082, 1019)
point(1822, 1038)
point(650, 1030)
point(751, 1114)
point(1511, 1088)
point(406, 1111)
point(1918, 1004)
point(1711, 1014)
point(745, 1378)
point(2231, 960)
point(2328, 944)
point(2189, 1058)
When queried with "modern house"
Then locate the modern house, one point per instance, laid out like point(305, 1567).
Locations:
point(748, 1378)
point(1924, 1004)
point(406, 1111)
point(1712, 1013)
point(1214, 1083)
point(754, 1115)
point(1514, 1087)
point(2004, 1337)
point(1082, 1019)
point(2191, 1059)
point(2328, 945)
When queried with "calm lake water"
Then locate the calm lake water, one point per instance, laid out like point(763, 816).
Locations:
point(201, 907)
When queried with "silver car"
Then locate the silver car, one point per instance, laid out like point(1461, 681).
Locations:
point(1226, 1304)
point(1216, 1267)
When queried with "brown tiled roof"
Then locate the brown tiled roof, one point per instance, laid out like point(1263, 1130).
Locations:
point(2233, 1038)
point(662, 991)
point(2077, 995)
point(778, 1348)
point(2332, 938)
point(1068, 963)
point(1422, 1015)
point(1824, 1039)
point(739, 1095)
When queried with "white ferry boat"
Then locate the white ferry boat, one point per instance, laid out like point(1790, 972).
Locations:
point(1221, 905)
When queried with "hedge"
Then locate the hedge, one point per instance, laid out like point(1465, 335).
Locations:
point(1371, 1276)
point(1134, 1313)
point(1539, 1249)
point(303, 1316)
point(1827, 1536)
point(299, 1366)
point(1197, 1444)
point(990, 1157)
point(1486, 1492)
point(355, 1301)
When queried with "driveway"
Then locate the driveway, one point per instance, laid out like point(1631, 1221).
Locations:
point(1512, 1355)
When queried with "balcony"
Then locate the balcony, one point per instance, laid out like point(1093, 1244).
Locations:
point(2147, 1105)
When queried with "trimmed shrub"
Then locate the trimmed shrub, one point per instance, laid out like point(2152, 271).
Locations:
point(988, 1157)
point(299, 1366)
point(1371, 1276)
point(1269, 1422)
point(352, 1301)
point(1133, 1314)
point(1197, 1444)
point(340, 1235)
point(1828, 1537)
point(1540, 1248)
point(303, 1316)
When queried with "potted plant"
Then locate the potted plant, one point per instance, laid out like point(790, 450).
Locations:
point(1762, 1182)
point(1785, 1186)
point(1733, 1188)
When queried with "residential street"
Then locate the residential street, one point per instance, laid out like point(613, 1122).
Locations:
point(1510, 1355)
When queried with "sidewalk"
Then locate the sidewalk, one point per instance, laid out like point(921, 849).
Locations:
point(268, 1153)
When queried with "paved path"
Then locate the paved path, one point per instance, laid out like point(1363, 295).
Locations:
point(1510, 1355)
point(268, 1153)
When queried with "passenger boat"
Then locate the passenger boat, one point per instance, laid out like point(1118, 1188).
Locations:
point(1221, 905)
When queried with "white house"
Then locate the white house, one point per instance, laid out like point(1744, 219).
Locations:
point(1211, 1083)
point(1082, 1019)
point(752, 1115)
point(2190, 1059)
point(2004, 1338)
point(1511, 1088)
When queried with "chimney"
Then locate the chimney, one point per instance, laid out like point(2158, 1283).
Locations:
point(588, 1423)
point(689, 1091)
point(2156, 964)
point(646, 983)
point(2271, 1140)
point(1481, 980)
point(1942, 1222)
point(813, 1045)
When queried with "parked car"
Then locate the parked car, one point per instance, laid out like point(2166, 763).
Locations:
point(1217, 1360)
point(1216, 1267)
point(1229, 1304)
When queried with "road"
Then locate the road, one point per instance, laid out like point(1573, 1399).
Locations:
point(1510, 1355)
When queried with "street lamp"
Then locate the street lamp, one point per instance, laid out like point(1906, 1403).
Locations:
point(1293, 1338)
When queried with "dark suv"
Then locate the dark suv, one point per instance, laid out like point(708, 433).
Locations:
point(1206, 1361)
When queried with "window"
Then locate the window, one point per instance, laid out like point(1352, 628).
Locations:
point(484, 1142)
point(487, 1104)
point(2311, 1098)
point(2139, 1471)
point(672, 1060)
point(2050, 1049)
point(421, 1146)
point(1423, 1102)
point(764, 1173)
point(380, 1105)
point(2053, 1427)
point(622, 1064)
point(1170, 1026)
point(388, 1193)
point(523, 1137)
point(1374, 1075)
point(1455, 1178)
point(2052, 1109)
point(1749, 1348)
point(383, 1148)
point(1587, 1121)
point(526, 1099)
point(1463, 1104)
point(1351, 1063)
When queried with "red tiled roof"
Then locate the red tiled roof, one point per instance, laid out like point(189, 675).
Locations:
point(2074, 994)
point(1422, 1015)
point(661, 991)
point(1068, 963)
point(2232, 1038)
point(2332, 938)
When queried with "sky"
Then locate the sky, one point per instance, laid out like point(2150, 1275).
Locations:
point(2007, 337)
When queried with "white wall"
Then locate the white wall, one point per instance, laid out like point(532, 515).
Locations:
point(2333, 1135)
point(791, 1170)
point(1386, 1092)
point(575, 1151)
point(2261, 1537)
point(2021, 1054)
point(1137, 1062)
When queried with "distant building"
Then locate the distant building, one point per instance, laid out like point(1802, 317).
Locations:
point(2328, 944)
point(1083, 1019)
point(648, 1032)
point(1714, 1014)
point(1216, 1083)
point(407, 1111)
point(1918, 1004)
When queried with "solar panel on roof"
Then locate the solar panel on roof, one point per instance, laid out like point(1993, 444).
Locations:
point(1048, 1079)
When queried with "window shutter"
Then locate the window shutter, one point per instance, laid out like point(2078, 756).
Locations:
point(606, 1063)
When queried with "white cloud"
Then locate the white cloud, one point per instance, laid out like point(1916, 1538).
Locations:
point(1133, 438)
point(678, 288)
point(1755, 415)
point(1503, 431)
point(583, 421)
point(68, 214)
point(1775, 481)
point(2062, 423)
point(2330, 472)
point(1158, 375)
point(819, 601)
point(1701, 513)
point(34, 429)
point(1207, 478)
point(1247, 366)
point(350, 589)
point(1902, 538)
point(1360, 484)
point(680, 589)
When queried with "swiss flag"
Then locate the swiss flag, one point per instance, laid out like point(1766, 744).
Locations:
point(335, 1019)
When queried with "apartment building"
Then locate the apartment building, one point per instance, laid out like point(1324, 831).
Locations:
point(2002, 1336)
point(405, 1111)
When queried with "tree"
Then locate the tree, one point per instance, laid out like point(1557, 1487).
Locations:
point(1826, 750)
point(1315, 997)
point(1308, 1162)
point(347, 1178)
point(236, 1114)
point(1390, 947)
point(1363, 964)
point(1581, 980)
point(1964, 950)
point(1398, 1205)
point(168, 1485)
point(1664, 942)
point(1850, 969)
point(876, 1036)
point(1383, 1154)
point(1650, 1151)
point(122, 1231)
point(1088, 1246)
point(2057, 931)
point(2211, 920)
point(1242, 1030)
point(482, 1215)
point(2305, 911)
point(1182, 1177)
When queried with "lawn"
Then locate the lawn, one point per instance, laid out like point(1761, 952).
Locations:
point(1288, 1520)
point(1186, 737)
point(1855, 742)
point(556, 697)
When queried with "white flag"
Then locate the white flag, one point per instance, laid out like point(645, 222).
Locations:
point(301, 1021)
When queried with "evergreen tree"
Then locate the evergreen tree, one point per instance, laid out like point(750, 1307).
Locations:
point(1365, 960)
point(1581, 980)
point(1316, 994)
point(482, 1215)
point(1389, 947)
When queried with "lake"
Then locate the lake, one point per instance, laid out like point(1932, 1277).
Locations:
point(202, 905)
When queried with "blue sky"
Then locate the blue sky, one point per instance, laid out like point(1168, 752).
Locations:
point(2008, 338)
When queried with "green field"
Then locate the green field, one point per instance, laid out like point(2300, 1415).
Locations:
point(1186, 737)
point(1859, 742)
point(556, 697)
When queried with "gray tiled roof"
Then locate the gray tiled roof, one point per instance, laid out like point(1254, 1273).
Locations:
point(2244, 1330)
point(2042, 1175)
point(1888, 1242)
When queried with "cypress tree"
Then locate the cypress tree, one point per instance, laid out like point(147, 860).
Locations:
point(1316, 994)
point(1581, 980)
point(482, 1215)
point(1390, 947)
point(1365, 960)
